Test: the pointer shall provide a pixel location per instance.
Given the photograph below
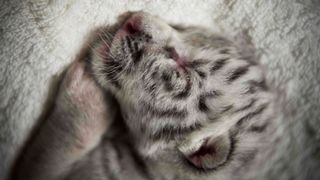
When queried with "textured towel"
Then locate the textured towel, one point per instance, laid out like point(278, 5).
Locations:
point(40, 37)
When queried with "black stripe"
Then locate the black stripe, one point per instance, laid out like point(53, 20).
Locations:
point(168, 86)
point(129, 44)
point(154, 74)
point(252, 114)
point(259, 129)
point(238, 73)
point(177, 74)
point(248, 156)
point(153, 90)
point(262, 84)
point(122, 46)
point(166, 77)
point(144, 77)
point(113, 64)
point(147, 36)
point(151, 87)
point(202, 106)
point(212, 94)
point(198, 62)
point(252, 102)
point(218, 65)
point(226, 108)
point(186, 91)
point(173, 112)
point(213, 118)
point(167, 81)
point(169, 132)
point(201, 74)
point(149, 65)
point(256, 85)
point(136, 47)
point(137, 56)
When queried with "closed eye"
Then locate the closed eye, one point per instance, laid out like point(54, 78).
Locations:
point(177, 27)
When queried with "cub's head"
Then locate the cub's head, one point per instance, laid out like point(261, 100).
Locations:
point(184, 92)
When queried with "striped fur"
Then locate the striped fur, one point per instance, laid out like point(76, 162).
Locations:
point(169, 107)
point(192, 106)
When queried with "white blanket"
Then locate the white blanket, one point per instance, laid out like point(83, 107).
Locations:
point(40, 37)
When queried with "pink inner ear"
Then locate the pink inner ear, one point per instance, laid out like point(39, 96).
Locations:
point(205, 150)
point(132, 25)
point(131, 28)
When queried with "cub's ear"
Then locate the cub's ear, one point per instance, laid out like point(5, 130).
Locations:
point(212, 153)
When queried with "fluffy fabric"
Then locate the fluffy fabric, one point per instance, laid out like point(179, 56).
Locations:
point(40, 38)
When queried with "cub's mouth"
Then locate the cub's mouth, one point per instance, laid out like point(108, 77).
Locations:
point(209, 153)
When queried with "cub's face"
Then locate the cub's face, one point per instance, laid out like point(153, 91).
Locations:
point(182, 91)
point(147, 59)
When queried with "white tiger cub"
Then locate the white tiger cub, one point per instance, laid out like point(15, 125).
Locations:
point(194, 106)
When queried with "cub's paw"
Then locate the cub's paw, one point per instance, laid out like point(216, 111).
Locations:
point(82, 91)
point(82, 98)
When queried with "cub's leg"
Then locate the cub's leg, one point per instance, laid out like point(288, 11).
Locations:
point(81, 115)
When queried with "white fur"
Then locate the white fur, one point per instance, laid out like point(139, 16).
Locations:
point(39, 38)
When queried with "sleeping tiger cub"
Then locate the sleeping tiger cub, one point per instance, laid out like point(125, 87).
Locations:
point(155, 101)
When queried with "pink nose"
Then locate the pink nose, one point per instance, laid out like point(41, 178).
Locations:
point(133, 24)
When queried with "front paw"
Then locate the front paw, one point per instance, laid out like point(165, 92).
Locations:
point(81, 99)
point(80, 89)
